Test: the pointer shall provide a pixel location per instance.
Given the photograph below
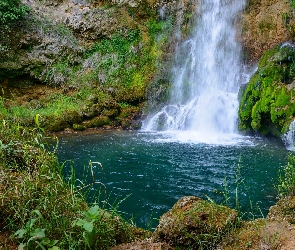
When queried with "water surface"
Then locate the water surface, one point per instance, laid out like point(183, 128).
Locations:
point(154, 170)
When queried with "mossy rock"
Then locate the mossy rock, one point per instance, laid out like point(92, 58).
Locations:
point(53, 123)
point(78, 127)
point(283, 210)
point(268, 103)
point(99, 121)
point(125, 112)
point(125, 124)
point(192, 221)
point(110, 112)
point(72, 117)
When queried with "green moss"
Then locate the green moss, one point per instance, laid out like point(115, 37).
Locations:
point(267, 104)
point(53, 123)
point(99, 121)
point(78, 127)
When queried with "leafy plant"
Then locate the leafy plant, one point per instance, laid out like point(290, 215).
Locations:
point(11, 11)
point(87, 224)
point(286, 184)
point(33, 236)
point(39, 203)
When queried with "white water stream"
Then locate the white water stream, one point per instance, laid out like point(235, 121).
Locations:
point(207, 76)
point(289, 137)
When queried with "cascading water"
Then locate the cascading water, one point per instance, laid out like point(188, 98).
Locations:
point(207, 75)
point(289, 137)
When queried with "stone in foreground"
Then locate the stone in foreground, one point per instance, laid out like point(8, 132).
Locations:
point(194, 222)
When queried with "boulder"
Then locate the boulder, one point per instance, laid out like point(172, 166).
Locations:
point(193, 222)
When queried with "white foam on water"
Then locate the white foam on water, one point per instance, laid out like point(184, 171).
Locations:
point(196, 137)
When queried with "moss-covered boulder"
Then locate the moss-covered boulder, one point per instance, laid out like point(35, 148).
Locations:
point(267, 104)
point(98, 121)
point(53, 123)
point(193, 221)
point(72, 117)
point(78, 127)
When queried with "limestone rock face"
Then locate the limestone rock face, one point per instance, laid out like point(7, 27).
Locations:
point(63, 48)
point(192, 221)
point(264, 24)
point(92, 24)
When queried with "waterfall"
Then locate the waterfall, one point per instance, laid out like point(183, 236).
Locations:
point(207, 75)
point(289, 137)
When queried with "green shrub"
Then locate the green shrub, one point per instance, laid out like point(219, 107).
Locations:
point(286, 184)
point(11, 11)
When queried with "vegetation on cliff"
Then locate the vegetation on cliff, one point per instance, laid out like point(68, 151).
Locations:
point(11, 11)
point(78, 62)
point(268, 105)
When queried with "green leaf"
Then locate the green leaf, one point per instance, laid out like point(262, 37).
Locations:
point(38, 233)
point(87, 225)
point(2, 146)
point(22, 246)
point(53, 242)
point(48, 242)
point(20, 233)
point(30, 223)
point(93, 212)
point(39, 214)
point(54, 248)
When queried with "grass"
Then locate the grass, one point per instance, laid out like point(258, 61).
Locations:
point(54, 106)
point(286, 181)
point(41, 208)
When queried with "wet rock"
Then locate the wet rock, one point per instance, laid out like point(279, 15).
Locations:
point(192, 221)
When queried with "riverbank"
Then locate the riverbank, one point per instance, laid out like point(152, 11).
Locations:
point(33, 189)
point(40, 208)
point(32, 186)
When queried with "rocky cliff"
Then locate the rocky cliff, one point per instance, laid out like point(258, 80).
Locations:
point(79, 64)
